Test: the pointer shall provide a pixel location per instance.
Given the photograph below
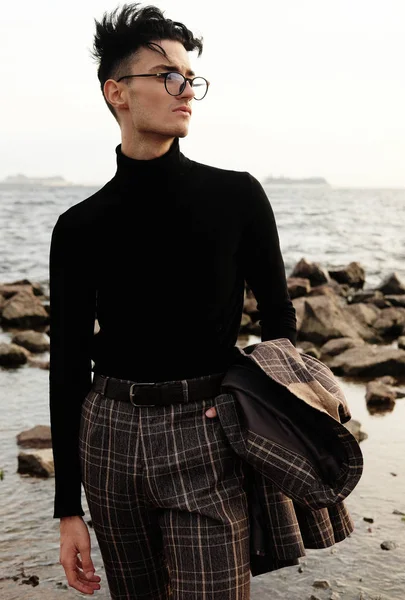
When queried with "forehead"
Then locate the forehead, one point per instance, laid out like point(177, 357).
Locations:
point(176, 53)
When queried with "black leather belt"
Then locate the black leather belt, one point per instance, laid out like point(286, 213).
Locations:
point(159, 393)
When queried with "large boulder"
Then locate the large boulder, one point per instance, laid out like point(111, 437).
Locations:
point(325, 319)
point(298, 286)
point(24, 310)
point(299, 305)
point(392, 285)
point(37, 463)
point(380, 395)
point(34, 341)
point(390, 322)
point(396, 299)
point(369, 361)
point(15, 287)
point(312, 271)
point(325, 289)
point(36, 437)
point(353, 274)
point(12, 355)
point(339, 345)
point(365, 315)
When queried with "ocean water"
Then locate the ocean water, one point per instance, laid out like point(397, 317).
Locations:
point(329, 225)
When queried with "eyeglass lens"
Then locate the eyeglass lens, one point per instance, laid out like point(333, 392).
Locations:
point(175, 84)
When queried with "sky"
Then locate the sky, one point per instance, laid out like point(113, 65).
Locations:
point(299, 88)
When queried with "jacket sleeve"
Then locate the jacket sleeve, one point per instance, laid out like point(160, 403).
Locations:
point(263, 267)
point(72, 313)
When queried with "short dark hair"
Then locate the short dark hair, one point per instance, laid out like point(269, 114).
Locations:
point(119, 35)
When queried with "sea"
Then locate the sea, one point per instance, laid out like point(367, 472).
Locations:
point(330, 225)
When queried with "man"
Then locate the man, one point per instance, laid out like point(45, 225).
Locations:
point(160, 256)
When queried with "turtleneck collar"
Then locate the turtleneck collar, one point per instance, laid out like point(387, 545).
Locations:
point(173, 162)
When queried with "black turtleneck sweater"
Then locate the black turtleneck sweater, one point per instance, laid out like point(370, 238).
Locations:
point(159, 256)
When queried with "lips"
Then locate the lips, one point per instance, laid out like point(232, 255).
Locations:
point(186, 109)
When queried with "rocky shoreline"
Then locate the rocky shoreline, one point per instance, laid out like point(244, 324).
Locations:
point(359, 333)
point(356, 332)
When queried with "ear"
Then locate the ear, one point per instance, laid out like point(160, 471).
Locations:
point(116, 94)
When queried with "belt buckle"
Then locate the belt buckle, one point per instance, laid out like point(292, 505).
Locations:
point(131, 394)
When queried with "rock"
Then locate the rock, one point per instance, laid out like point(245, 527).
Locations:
point(339, 345)
point(32, 580)
point(324, 290)
point(334, 596)
point(7, 290)
point(379, 394)
point(298, 286)
point(355, 429)
point(34, 341)
point(36, 437)
point(353, 274)
point(312, 597)
point(366, 314)
point(38, 463)
point(299, 305)
point(398, 512)
point(41, 364)
point(392, 285)
point(312, 271)
point(321, 584)
point(245, 320)
point(12, 355)
point(253, 329)
point(401, 342)
point(250, 306)
point(388, 380)
point(396, 299)
point(391, 321)
point(24, 310)
point(388, 545)
point(324, 319)
point(366, 296)
point(369, 361)
point(368, 519)
point(309, 348)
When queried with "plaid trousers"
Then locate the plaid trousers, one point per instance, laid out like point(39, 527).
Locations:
point(165, 491)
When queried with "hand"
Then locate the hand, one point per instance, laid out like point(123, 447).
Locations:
point(211, 412)
point(75, 539)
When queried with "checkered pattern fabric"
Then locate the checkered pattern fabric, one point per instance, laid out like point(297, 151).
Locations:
point(292, 506)
point(166, 496)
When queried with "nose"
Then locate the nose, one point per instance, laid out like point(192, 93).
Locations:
point(188, 91)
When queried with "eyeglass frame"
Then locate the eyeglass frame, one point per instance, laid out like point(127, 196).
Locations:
point(165, 75)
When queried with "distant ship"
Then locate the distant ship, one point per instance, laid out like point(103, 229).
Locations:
point(56, 181)
point(308, 181)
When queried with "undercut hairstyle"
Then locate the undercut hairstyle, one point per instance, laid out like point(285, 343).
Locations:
point(121, 33)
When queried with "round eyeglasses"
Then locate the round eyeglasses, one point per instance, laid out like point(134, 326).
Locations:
point(175, 83)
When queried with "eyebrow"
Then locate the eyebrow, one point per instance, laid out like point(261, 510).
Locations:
point(172, 68)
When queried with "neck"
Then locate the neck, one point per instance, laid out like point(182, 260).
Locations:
point(145, 147)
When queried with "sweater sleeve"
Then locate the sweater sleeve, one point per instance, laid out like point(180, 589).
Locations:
point(264, 269)
point(72, 314)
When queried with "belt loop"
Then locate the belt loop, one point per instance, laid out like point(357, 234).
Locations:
point(184, 384)
point(104, 384)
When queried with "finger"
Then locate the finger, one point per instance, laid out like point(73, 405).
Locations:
point(211, 412)
point(82, 575)
point(74, 582)
point(87, 563)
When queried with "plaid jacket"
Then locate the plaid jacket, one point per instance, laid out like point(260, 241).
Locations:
point(282, 412)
